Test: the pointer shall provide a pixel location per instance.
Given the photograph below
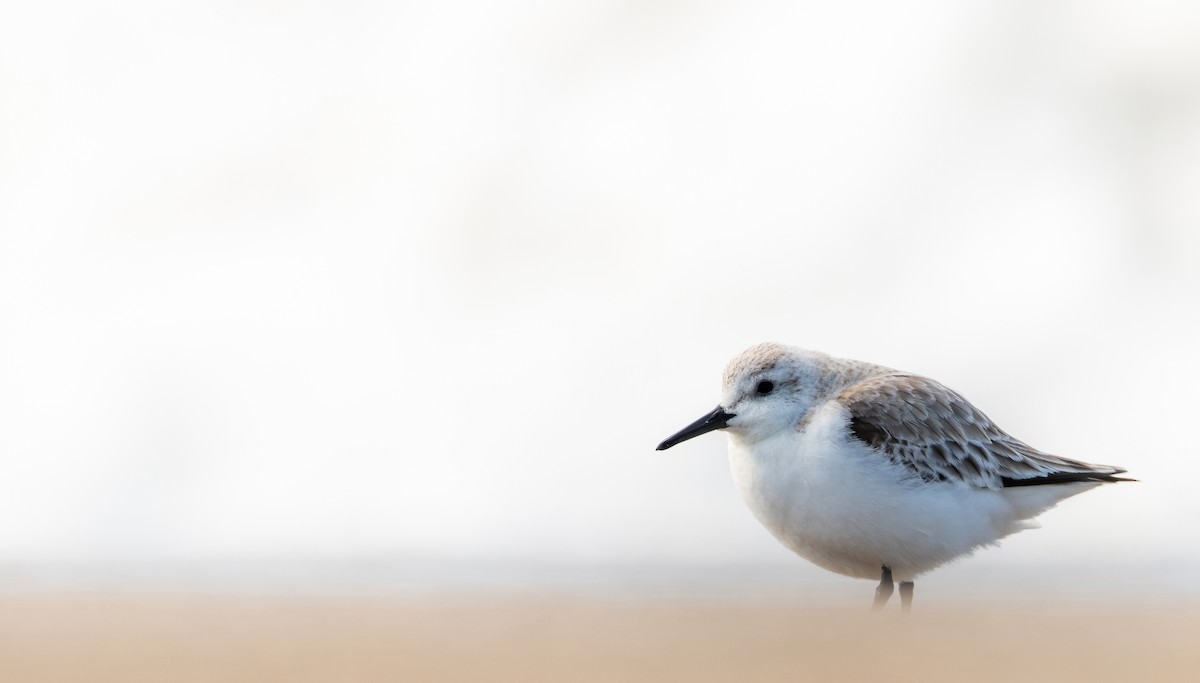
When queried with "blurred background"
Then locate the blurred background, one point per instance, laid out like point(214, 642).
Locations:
point(402, 296)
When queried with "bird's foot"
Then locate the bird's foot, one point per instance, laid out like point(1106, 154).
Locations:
point(883, 592)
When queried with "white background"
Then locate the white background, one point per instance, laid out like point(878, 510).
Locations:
point(429, 281)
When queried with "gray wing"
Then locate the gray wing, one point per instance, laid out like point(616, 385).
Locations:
point(939, 436)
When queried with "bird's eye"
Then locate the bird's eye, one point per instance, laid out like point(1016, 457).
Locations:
point(765, 387)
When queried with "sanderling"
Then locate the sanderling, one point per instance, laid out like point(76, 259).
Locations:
point(874, 473)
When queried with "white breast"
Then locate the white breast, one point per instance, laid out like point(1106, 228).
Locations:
point(833, 501)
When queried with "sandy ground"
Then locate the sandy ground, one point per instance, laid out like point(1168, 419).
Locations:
point(155, 638)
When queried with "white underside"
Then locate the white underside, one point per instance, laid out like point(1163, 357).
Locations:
point(839, 505)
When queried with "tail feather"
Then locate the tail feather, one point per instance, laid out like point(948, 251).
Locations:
point(1067, 478)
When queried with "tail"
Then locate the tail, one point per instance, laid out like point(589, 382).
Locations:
point(1100, 474)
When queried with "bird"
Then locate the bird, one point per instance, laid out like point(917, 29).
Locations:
point(875, 473)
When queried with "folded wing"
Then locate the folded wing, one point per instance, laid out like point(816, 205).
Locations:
point(939, 436)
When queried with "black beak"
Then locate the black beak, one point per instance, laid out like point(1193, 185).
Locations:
point(717, 419)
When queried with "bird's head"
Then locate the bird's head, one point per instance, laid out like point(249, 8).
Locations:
point(767, 388)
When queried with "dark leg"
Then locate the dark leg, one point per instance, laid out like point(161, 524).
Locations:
point(906, 589)
point(884, 590)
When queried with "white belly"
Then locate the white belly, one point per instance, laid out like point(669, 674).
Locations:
point(846, 509)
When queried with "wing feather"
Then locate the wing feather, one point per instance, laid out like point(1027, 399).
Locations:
point(939, 436)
